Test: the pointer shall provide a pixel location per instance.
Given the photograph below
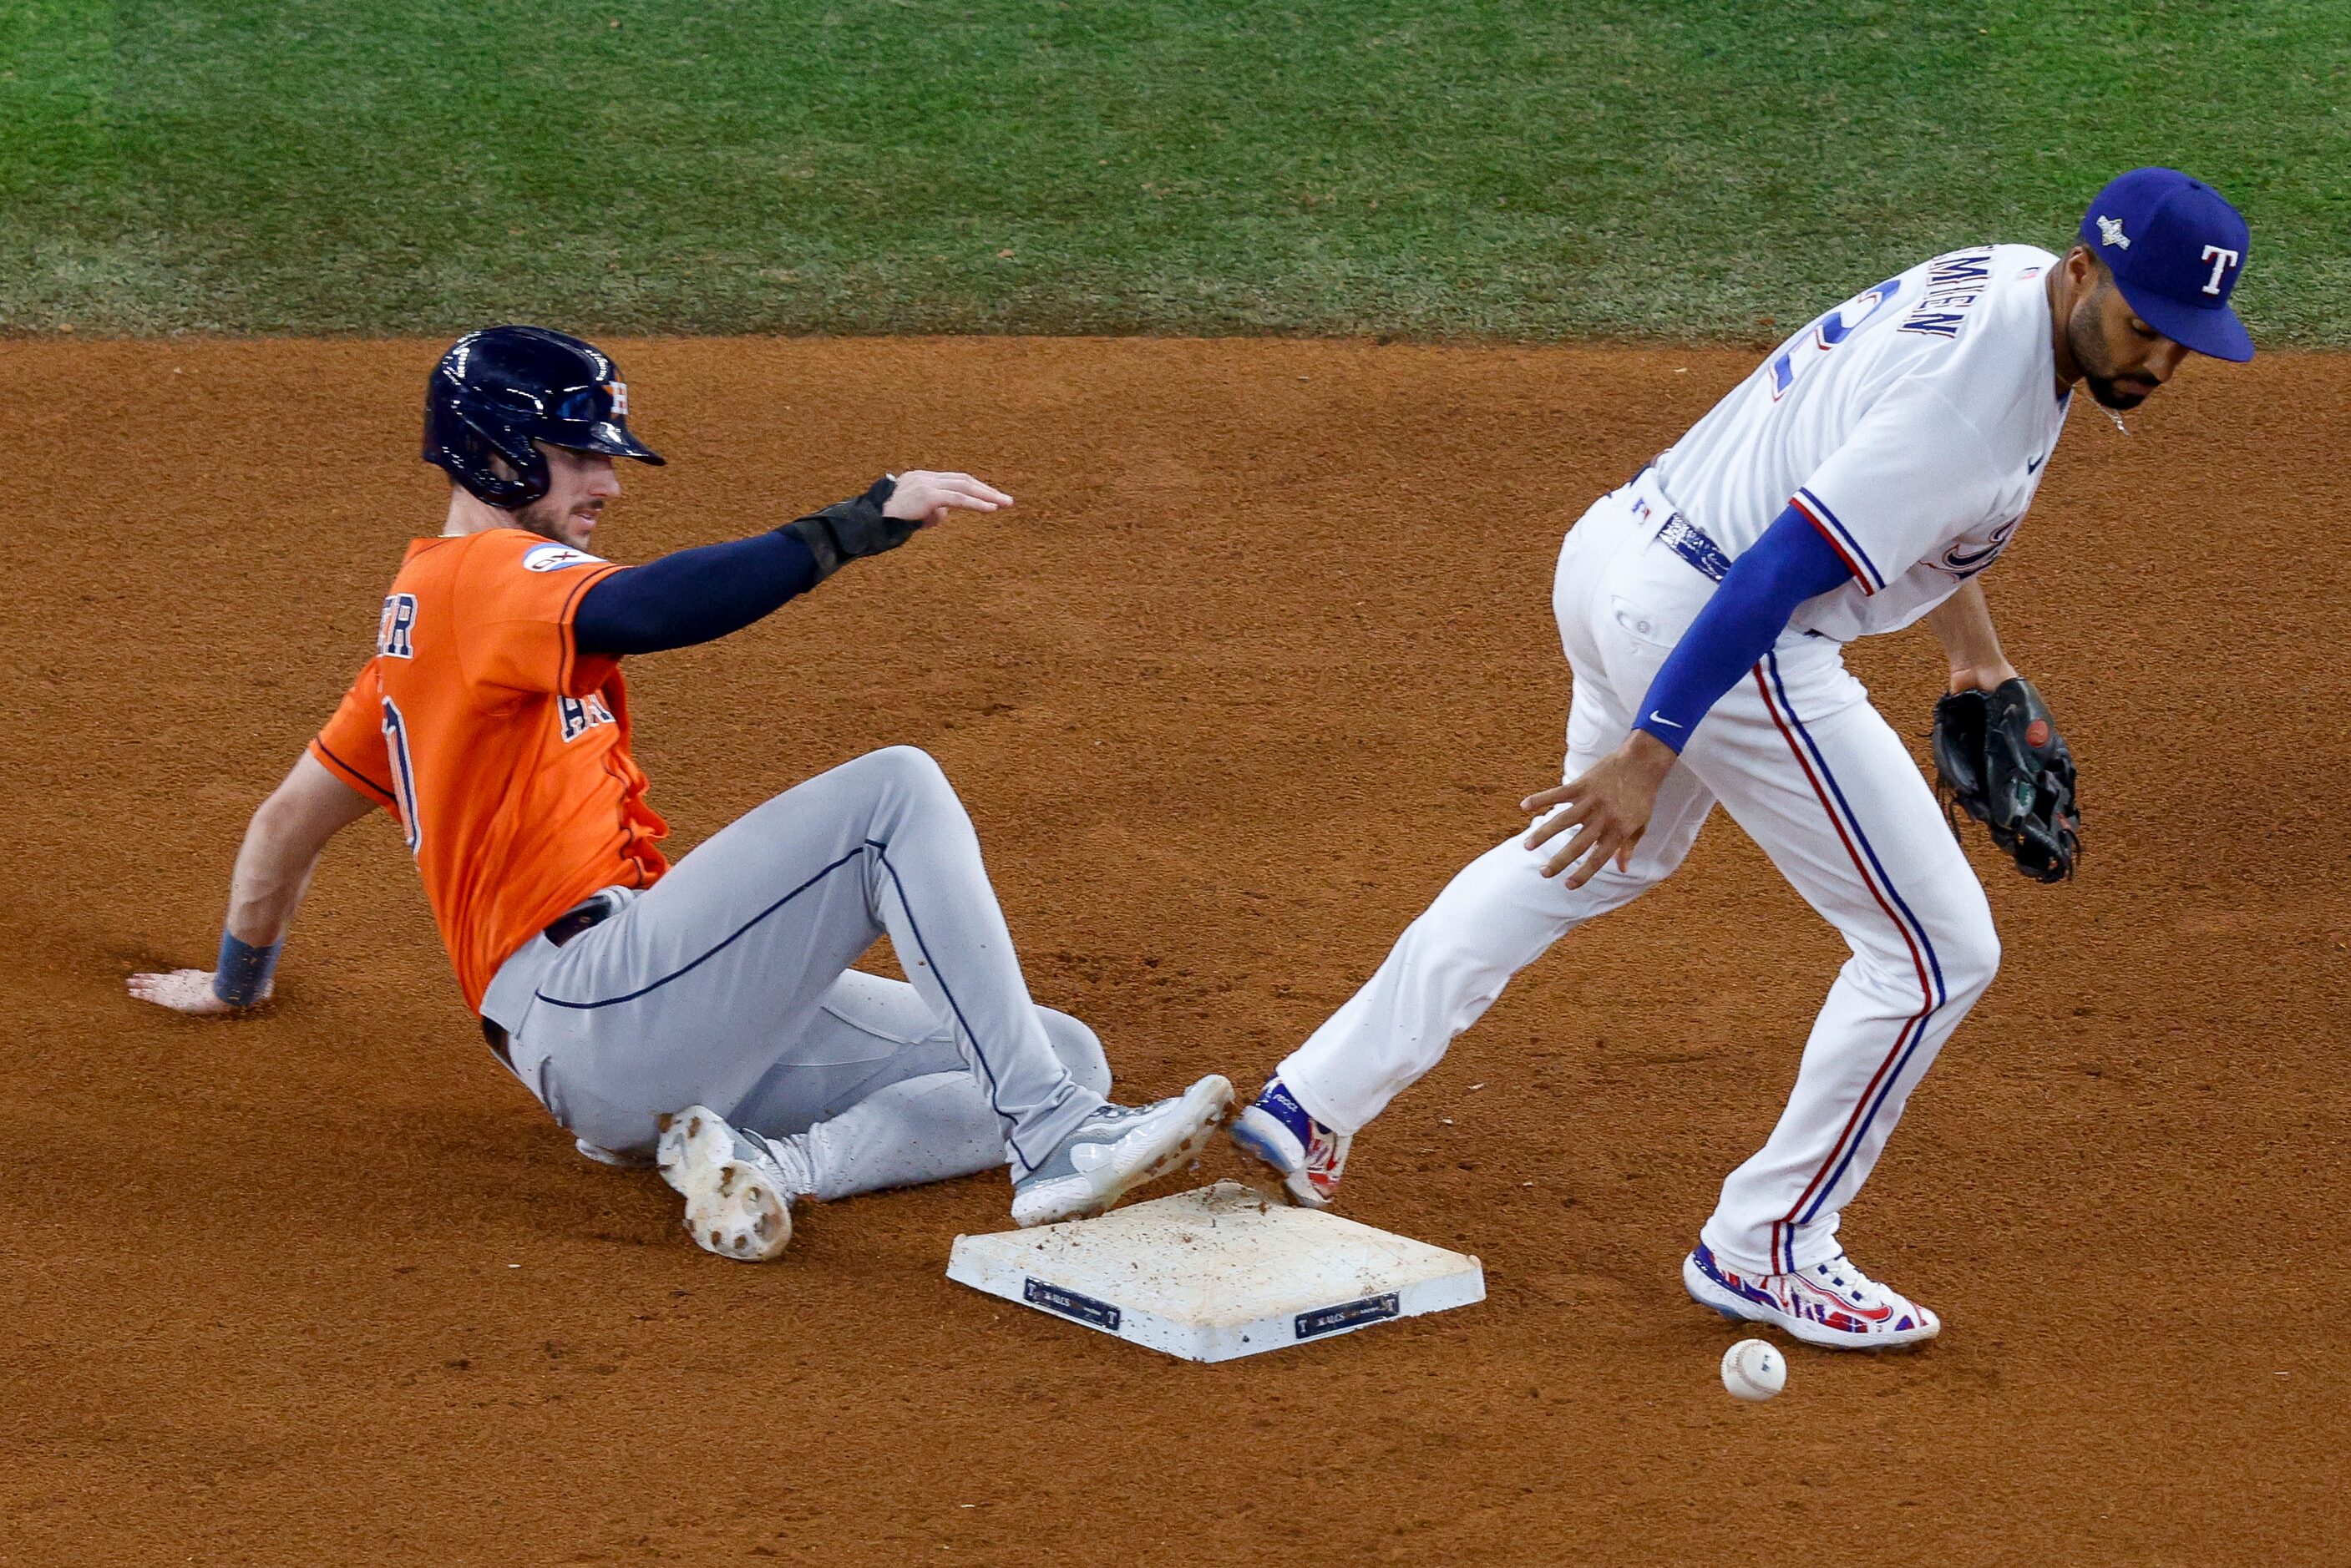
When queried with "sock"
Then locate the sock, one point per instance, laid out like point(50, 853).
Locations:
point(793, 1158)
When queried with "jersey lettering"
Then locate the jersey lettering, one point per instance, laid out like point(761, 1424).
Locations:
point(391, 635)
point(581, 714)
point(1954, 282)
point(1963, 562)
point(404, 775)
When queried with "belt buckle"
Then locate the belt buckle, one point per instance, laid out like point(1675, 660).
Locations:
point(580, 918)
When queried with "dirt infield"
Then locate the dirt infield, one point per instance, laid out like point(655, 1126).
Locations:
point(1262, 657)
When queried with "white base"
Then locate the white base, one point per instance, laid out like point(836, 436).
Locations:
point(1217, 1273)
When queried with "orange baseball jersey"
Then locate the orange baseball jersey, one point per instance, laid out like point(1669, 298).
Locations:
point(502, 749)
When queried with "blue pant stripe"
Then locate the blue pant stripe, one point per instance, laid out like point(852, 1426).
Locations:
point(1939, 995)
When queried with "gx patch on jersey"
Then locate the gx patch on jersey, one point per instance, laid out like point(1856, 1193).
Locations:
point(555, 557)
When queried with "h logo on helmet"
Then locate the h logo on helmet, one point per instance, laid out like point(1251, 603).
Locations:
point(619, 390)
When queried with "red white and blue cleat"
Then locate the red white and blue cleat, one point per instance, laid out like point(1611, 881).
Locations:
point(1831, 1303)
point(1275, 1131)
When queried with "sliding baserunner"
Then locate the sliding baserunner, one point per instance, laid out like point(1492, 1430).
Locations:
point(1859, 481)
point(704, 1016)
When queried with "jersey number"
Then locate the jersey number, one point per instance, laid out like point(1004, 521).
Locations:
point(404, 775)
point(1831, 331)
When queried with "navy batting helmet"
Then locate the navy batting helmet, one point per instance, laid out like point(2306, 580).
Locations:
point(498, 390)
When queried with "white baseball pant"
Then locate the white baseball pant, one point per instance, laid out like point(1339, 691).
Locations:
point(1818, 779)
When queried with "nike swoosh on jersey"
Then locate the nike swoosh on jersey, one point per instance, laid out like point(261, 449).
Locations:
point(1657, 718)
point(2033, 465)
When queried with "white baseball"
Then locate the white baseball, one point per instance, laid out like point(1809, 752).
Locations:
point(1753, 1371)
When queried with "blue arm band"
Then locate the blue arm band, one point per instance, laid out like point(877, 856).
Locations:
point(1791, 562)
point(240, 978)
point(692, 596)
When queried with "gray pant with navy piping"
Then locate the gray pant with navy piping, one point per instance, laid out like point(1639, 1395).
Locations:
point(727, 984)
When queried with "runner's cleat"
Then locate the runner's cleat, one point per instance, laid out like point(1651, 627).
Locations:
point(738, 1194)
point(1831, 1303)
point(1117, 1148)
point(1276, 1132)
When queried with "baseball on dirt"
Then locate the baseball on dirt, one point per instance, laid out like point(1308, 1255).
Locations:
point(1753, 1371)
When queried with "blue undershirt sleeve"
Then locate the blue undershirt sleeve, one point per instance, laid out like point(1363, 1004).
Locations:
point(692, 596)
point(1791, 562)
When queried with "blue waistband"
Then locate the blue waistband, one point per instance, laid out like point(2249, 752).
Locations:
point(1687, 540)
point(1682, 536)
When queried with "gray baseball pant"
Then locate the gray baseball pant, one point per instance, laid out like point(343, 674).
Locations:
point(727, 984)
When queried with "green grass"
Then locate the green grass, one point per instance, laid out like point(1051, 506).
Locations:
point(1468, 168)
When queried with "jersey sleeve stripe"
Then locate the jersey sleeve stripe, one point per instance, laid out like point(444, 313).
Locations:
point(349, 774)
point(1841, 540)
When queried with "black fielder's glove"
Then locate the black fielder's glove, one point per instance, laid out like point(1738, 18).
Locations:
point(848, 529)
point(1999, 758)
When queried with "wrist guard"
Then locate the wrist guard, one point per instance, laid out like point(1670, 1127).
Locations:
point(851, 528)
point(242, 974)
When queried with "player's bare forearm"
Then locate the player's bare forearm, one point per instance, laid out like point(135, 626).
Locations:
point(274, 864)
point(281, 850)
point(1962, 624)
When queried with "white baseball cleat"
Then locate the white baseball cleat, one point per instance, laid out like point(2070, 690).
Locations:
point(1831, 1303)
point(737, 1197)
point(1116, 1149)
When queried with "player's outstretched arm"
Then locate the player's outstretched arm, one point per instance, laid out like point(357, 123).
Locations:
point(281, 850)
point(713, 590)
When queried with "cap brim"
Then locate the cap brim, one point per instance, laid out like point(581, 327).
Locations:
point(2215, 332)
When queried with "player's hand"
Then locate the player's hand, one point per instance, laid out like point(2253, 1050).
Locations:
point(1609, 807)
point(921, 496)
point(186, 991)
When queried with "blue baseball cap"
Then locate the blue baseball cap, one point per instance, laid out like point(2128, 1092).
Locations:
point(2176, 248)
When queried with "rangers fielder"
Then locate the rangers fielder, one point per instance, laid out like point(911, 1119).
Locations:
point(703, 1017)
point(1859, 481)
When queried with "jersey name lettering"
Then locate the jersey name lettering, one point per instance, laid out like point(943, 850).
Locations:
point(1954, 282)
point(581, 715)
point(1964, 560)
point(391, 634)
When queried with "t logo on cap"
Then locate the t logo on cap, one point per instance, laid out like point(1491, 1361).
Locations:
point(2175, 249)
point(2222, 261)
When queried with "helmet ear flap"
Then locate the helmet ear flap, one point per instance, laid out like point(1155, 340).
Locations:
point(468, 445)
point(523, 458)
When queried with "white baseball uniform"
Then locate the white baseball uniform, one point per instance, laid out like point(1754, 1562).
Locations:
point(1911, 425)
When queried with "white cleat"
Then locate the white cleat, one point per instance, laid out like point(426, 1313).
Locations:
point(737, 1202)
point(1831, 1303)
point(1117, 1149)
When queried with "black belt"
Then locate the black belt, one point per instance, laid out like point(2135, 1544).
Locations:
point(559, 930)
